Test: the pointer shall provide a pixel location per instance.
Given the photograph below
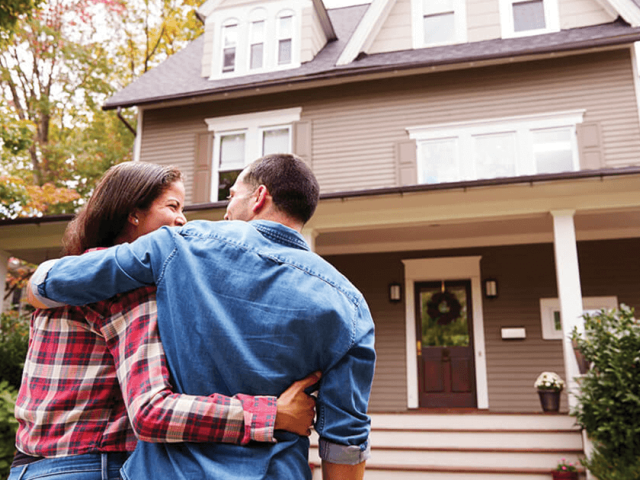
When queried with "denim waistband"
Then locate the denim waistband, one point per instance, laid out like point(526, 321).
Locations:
point(89, 462)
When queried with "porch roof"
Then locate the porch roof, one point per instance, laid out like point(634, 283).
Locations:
point(606, 202)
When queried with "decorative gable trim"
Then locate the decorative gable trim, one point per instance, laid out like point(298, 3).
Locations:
point(627, 9)
point(366, 30)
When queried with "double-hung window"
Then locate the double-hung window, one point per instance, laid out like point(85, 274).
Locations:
point(438, 22)
point(528, 17)
point(285, 38)
point(508, 147)
point(256, 54)
point(229, 44)
point(240, 139)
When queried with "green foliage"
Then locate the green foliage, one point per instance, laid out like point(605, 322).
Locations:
point(609, 399)
point(11, 10)
point(14, 341)
point(8, 426)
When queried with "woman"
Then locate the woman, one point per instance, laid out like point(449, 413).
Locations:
point(88, 367)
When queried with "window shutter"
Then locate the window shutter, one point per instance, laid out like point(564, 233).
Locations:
point(590, 145)
point(301, 141)
point(406, 163)
point(202, 168)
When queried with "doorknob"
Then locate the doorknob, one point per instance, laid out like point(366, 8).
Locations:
point(419, 348)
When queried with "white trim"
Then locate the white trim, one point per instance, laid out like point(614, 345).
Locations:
point(417, 24)
point(137, 143)
point(551, 18)
point(445, 268)
point(550, 305)
point(628, 10)
point(252, 125)
point(366, 30)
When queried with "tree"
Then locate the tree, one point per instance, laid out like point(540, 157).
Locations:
point(11, 10)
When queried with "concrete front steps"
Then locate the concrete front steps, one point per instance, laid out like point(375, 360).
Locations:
point(467, 446)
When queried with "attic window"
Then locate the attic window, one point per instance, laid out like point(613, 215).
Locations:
point(229, 42)
point(528, 17)
point(285, 40)
point(438, 22)
point(257, 44)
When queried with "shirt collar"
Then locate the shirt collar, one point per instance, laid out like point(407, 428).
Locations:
point(280, 233)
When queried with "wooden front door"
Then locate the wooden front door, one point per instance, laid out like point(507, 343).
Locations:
point(445, 344)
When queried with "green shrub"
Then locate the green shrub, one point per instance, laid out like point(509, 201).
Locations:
point(14, 341)
point(8, 426)
point(609, 398)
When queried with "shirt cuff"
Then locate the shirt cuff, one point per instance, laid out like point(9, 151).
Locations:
point(259, 417)
point(344, 454)
point(37, 284)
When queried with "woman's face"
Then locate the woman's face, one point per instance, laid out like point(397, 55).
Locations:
point(166, 210)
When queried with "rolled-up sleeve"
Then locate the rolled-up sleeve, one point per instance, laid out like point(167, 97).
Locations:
point(343, 423)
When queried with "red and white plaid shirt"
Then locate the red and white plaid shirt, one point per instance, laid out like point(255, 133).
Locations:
point(88, 366)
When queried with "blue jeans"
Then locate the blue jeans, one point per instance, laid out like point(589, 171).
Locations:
point(90, 466)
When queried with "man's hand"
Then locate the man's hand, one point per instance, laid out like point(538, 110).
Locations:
point(296, 410)
point(334, 471)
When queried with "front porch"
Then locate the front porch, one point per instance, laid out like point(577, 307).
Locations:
point(473, 445)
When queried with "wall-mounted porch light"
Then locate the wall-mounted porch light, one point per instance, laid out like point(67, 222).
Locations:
point(491, 288)
point(395, 292)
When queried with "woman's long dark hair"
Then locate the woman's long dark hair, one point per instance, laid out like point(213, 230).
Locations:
point(122, 189)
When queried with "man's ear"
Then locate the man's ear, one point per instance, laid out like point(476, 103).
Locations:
point(261, 199)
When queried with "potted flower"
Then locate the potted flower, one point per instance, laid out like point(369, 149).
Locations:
point(565, 471)
point(549, 385)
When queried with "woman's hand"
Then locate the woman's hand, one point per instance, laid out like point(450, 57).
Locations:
point(296, 409)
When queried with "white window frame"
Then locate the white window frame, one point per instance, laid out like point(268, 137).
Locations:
point(417, 16)
point(551, 19)
point(245, 15)
point(548, 306)
point(522, 125)
point(284, 14)
point(252, 125)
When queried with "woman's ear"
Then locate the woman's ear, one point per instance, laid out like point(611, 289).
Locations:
point(133, 218)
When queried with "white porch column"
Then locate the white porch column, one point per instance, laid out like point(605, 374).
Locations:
point(4, 268)
point(310, 235)
point(569, 291)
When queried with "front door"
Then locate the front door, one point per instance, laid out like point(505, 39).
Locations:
point(445, 344)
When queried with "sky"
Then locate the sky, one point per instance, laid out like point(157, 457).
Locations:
point(343, 3)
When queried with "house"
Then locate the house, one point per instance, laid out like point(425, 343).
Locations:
point(479, 163)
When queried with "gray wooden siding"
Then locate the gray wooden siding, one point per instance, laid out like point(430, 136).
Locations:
point(525, 273)
point(356, 127)
point(312, 37)
point(483, 22)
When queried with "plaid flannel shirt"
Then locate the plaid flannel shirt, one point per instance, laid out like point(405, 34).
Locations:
point(87, 367)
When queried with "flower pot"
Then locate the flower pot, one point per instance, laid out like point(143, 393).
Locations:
point(550, 402)
point(564, 475)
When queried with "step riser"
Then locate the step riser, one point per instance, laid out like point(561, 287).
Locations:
point(381, 457)
point(395, 475)
point(493, 440)
point(472, 422)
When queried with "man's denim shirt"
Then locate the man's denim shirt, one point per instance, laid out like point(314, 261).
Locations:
point(243, 308)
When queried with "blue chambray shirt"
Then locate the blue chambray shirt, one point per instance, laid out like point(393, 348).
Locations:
point(243, 308)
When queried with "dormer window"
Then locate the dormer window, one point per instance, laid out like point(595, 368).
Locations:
point(438, 22)
point(528, 17)
point(229, 42)
point(285, 38)
point(255, 40)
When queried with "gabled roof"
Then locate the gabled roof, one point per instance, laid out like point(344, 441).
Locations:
point(179, 77)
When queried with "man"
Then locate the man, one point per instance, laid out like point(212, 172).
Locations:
point(244, 306)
